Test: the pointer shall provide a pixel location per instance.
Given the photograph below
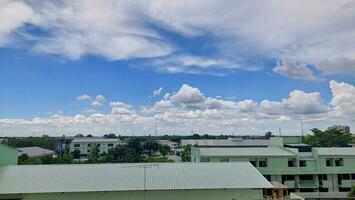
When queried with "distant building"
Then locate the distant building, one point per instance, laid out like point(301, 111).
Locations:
point(173, 145)
point(175, 181)
point(35, 152)
point(8, 155)
point(85, 145)
point(343, 129)
point(300, 167)
point(230, 142)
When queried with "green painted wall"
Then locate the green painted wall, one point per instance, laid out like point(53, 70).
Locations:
point(8, 156)
point(229, 194)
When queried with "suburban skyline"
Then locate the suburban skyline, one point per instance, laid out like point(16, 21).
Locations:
point(237, 67)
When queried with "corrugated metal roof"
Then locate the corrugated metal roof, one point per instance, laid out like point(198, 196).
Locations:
point(128, 177)
point(245, 152)
point(35, 151)
point(228, 142)
point(334, 151)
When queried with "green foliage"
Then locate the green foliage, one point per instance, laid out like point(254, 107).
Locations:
point(164, 149)
point(352, 191)
point(44, 142)
point(328, 138)
point(151, 146)
point(95, 154)
point(157, 159)
point(110, 135)
point(66, 159)
point(268, 135)
point(76, 154)
point(186, 154)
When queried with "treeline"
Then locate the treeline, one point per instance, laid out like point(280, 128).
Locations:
point(134, 151)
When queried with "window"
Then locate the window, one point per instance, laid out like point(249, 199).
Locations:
point(344, 189)
point(263, 162)
point(268, 177)
point(253, 162)
point(323, 177)
point(288, 178)
point(329, 162)
point(323, 190)
point(89, 145)
point(76, 145)
point(291, 162)
point(224, 160)
point(303, 163)
point(88, 150)
point(98, 145)
point(306, 177)
point(205, 160)
point(339, 162)
point(110, 145)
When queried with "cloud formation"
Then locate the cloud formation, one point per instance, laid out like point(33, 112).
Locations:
point(157, 91)
point(294, 70)
point(320, 34)
point(190, 109)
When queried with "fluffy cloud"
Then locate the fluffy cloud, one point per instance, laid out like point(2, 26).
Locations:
point(294, 70)
point(319, 34)
point(99, 99)
point(84, 98)
point(157, 91)
point(10, 19)
point(343, 99)
point(189, 109)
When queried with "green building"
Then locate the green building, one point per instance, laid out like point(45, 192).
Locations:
point(299, 167)
point(173, 181)
point(8, 155)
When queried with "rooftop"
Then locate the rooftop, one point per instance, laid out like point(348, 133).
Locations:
point(128, 177)
point(267, 151)
point(35, 151)
point(229, 142)
point(330, 151)
point(95, 139)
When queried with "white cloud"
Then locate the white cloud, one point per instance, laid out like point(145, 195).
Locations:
point(319, 34)
point(343, 99)
point(13, 15)
point(189, 109)
point(157, 92)
point(99, 99)
point(84, 98)
point(294, 70)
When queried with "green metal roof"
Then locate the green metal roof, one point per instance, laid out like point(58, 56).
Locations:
point(336, 151)
point(128, 177)
point(245, 152)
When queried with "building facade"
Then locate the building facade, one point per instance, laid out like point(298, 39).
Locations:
point(300, 167)
point(85, 146)
point(8, 155)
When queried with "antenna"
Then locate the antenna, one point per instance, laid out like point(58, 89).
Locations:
point(280, 131)
point(156, 128)
point(302, 133)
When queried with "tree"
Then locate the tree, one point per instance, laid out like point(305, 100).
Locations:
point(76, 154)
point(151, 146)
point(352, 191)
point(79, 135)
point(164, 150)
point(89, 135)
point(268, 135)
point(186, 154)
point(157, 159)
point(328, 138)
point(111, 135)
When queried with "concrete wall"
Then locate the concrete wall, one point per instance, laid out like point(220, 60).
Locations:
point(8, 156)
point(229, 194)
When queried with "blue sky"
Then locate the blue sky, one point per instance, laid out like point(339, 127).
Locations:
point(210, 65)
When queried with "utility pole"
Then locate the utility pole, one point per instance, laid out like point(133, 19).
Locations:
point(279, 131)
